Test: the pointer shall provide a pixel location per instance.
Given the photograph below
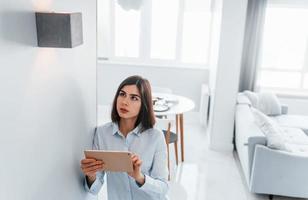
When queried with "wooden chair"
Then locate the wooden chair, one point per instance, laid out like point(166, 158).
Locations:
point(170, 137)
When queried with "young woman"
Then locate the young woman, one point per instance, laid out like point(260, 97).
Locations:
point(131, 130)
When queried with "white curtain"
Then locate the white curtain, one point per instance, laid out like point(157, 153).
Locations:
point(252, 43)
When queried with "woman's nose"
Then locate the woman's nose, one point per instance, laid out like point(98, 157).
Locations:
point(125, 101)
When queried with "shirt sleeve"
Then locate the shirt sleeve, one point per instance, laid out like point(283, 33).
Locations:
point(96, 185)
point(99, 181)
point(156, 183)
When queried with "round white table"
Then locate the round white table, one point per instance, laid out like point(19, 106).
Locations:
point(178, 105)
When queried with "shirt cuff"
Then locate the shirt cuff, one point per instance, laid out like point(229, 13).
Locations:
point(140, 185)
point(96, 185)
point(148, 183)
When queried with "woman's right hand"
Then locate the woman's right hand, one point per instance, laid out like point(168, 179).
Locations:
point(90, 166)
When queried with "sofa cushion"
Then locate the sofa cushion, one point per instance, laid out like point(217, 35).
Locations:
point(297, 121)
point(282, 138)
point(295, 136)
point(271, 130)
point(296, 141)
point(298, 149)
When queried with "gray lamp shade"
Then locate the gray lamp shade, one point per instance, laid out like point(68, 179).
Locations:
point(61, 30)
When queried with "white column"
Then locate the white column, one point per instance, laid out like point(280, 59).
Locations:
point(225, 73)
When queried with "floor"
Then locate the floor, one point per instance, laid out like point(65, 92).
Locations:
point(205, 174)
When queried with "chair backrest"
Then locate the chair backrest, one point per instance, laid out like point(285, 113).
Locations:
point(163, 124)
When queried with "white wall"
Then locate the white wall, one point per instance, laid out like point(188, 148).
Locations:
point(186, 82)
point(47, 104)
point(227, 74)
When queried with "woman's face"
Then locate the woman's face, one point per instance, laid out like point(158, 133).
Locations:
point(129, 102)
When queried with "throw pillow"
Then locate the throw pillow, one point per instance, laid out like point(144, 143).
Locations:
point(243, 99)
point(269, 104)
point(272, 131)
point(266, 102)
point(253, 97)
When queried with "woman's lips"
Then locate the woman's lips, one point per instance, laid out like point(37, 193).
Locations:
point(123, 110)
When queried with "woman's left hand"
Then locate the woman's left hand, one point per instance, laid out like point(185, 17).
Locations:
point(136, 174)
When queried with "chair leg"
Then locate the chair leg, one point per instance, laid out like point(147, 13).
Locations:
point(176, 152)
point(177, 123)
point(168, 163)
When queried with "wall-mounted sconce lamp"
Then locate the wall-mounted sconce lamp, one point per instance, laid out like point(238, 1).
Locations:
point(61, 30)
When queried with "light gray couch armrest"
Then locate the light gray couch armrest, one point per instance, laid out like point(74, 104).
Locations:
point(258, 139)
point(279, 172)
point(284, 109)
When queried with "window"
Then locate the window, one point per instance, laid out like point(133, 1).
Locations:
point(283, 64)
point(176, 32)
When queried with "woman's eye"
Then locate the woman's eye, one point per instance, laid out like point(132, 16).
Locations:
point(134, 98)
point(122, 94)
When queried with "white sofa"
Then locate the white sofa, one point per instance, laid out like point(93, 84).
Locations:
point(269, 171)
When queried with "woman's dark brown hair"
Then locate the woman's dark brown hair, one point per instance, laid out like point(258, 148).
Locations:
point(146, 114)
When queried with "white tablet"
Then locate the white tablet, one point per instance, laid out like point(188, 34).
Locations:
point(115, 161)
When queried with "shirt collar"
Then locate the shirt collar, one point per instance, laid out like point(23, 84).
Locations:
point(135, 131)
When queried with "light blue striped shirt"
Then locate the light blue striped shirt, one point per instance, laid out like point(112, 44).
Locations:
point(151, 148)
